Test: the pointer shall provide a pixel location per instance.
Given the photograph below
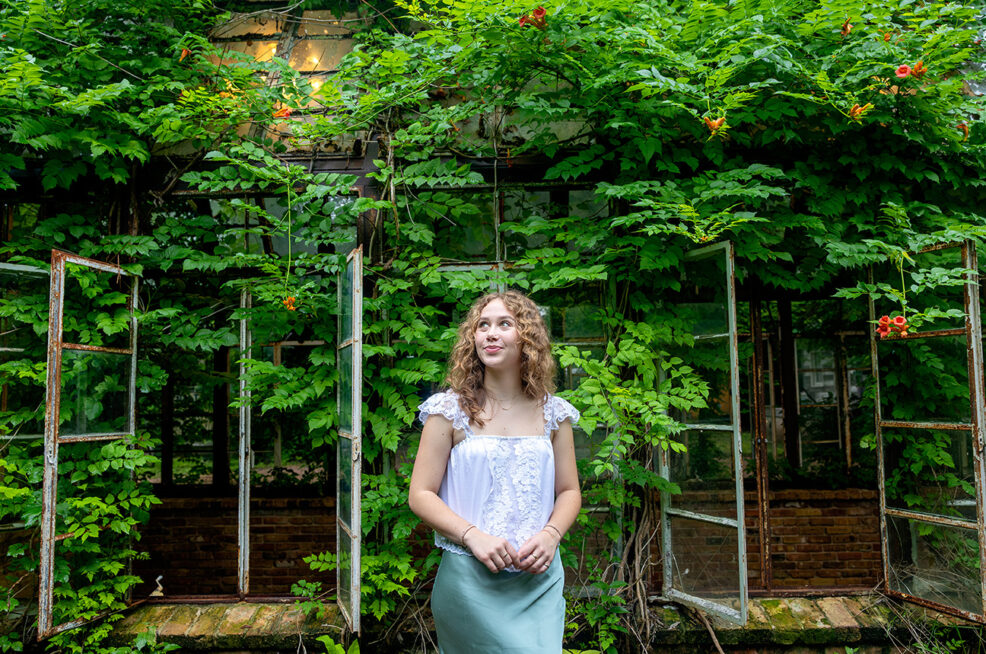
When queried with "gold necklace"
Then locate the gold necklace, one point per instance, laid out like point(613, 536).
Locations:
point(500, 402)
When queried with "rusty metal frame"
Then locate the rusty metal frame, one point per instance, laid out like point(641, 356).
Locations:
point(758, 437)
point(52, 437)
point(977, 399)
point(737, 616)
point(351, 525)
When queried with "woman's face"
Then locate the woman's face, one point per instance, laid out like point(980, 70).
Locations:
point(497, 339)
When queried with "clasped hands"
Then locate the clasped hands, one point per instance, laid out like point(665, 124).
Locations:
point(497, 553)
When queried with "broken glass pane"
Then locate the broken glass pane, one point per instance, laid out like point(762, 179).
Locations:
point(705, 561)
point(935, 562)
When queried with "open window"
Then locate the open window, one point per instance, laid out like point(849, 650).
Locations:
point(92, 366)
point(703, 531)
point(929, 411)
point(349, 455)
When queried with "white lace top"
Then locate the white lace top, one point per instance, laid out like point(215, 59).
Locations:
point(505, 485)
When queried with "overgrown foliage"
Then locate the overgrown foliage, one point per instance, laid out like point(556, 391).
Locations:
point(789, 128)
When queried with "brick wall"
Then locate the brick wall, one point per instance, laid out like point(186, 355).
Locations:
point(825, 538)
point(26, 587)
point(818, 538)
point(192, 542)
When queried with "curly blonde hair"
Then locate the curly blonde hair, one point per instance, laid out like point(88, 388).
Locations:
point(537, 366)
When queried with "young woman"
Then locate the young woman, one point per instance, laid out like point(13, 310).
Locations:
point(495, 477)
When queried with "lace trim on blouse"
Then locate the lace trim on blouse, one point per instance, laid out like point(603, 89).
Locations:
point(446, 403)
point(514, 503)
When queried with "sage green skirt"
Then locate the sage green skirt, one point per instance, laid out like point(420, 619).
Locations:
point(479, 612)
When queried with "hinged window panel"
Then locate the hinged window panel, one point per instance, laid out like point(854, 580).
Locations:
point(703, 533)
point(349, 455)
point(929, 419)
point(90, 396)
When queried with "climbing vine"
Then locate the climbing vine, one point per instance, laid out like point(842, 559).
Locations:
point(608, 139)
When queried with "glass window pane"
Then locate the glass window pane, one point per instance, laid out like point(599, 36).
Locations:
point(95, 396)
point(816, 372)
point(460, 226)
point(935, 562)
point(520, 206)
point(344, 499)
point(251, 24)
point(930, 471)
point(259, 50)
point(587, 445)
point(586, 204)
point(326, 23)
point(346, 389)
point(705, 561)
point(703, 300)
point(346, 304)
point(300, 228)
point(319, 54)
point(705, 473)
point(821, 433)
point(709, 359)
point(905, 365)
point(345, 568)
point(576, 323)
point(571, 376)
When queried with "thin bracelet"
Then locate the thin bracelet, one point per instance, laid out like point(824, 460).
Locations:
point(462, 538)
point(556, 530)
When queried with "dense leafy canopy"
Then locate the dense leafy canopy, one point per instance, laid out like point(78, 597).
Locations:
point(805, 132)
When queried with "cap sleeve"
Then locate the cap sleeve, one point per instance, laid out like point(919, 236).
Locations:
point(445, 404)
point(556, 411)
